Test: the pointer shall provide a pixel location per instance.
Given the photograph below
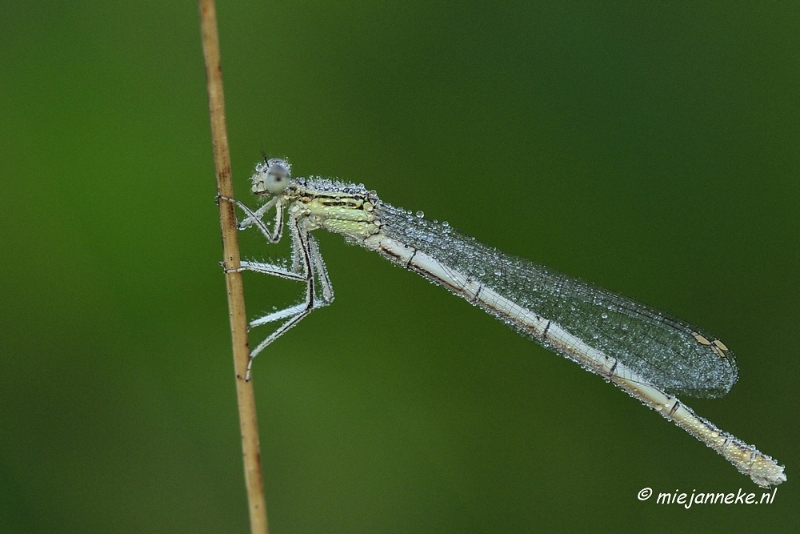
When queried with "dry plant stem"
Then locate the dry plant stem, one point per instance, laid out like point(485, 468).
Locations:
point(230, 243)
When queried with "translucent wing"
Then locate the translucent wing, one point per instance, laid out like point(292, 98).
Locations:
point(669, 352)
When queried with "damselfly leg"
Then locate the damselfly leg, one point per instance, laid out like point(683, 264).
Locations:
point(307, 266)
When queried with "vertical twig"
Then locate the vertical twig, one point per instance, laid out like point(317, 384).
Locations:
point(230, 244)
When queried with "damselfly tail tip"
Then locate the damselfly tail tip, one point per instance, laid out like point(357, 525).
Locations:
point(770, 474)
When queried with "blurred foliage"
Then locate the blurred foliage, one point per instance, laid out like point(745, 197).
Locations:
point(649, 147)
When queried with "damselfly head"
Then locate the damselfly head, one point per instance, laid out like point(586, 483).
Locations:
point(271, 177)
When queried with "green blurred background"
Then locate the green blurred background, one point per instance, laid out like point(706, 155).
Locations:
point(653, 148)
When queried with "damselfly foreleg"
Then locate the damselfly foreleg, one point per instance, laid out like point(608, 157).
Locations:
point(307, 266)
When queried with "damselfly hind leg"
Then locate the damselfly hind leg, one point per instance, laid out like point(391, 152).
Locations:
point(307, 266)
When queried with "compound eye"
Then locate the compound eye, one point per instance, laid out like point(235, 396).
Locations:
point(272, 178)
point(277, 179)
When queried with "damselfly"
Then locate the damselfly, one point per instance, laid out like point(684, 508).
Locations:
point(651, 355)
